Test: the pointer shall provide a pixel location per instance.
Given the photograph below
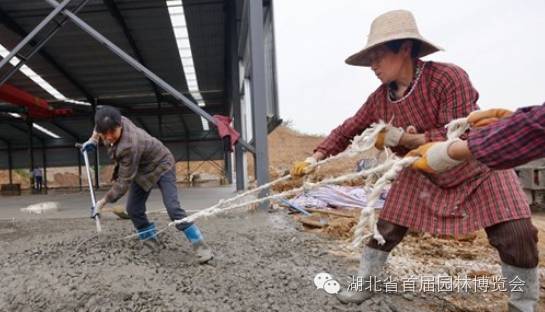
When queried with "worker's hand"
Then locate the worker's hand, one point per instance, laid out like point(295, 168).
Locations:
point(484, 118)
point(300, 168)
point(89, 145)
point(100, 204)
point(434, 157)
point(389, 136)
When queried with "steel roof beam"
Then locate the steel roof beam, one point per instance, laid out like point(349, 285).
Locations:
point(143, 124)
point(132, 62)
point(25, 131)
point(116, 14)
point(6, 141)
point(66, 130)
point(139, 67)
point(177, 105)
point(15, 51)
point(16, 28)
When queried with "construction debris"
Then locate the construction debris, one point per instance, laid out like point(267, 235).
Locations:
point(336, 196)
point(40, 208)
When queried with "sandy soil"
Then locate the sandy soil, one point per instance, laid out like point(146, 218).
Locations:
point(264, 262)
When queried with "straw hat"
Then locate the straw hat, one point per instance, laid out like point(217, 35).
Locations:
point(393, 25)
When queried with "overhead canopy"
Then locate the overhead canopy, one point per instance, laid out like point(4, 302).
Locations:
point(82, 69)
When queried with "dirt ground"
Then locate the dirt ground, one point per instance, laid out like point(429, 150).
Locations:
point(264, 262)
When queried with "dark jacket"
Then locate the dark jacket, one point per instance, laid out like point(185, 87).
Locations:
point(138, 157)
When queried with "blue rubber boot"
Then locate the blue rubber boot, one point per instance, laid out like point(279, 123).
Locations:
point(149, 232)
point(202, 251)
point(148, 236)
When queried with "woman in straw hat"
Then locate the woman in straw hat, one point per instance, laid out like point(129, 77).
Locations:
point(422, 97)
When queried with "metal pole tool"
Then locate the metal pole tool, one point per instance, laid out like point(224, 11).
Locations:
point(94, 214)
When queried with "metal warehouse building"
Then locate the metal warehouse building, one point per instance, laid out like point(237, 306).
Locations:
point(170, 66)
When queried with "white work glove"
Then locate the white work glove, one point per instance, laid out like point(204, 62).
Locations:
point(434, 157)
point(99, 205)
point(300, 168)
point(89, 145)
point(389, 137)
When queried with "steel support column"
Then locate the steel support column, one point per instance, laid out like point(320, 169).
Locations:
point(97, 165)
point(227, 164)
point(31, 152)
point(139, 67)
point(94, 110)
point(187, 151)
point(10, 164)
point(44, 164)
point(234, 79)
point(258, 93)
point(78, 153)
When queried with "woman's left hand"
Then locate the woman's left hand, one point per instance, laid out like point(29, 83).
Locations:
point(411, 139)
point(434, 157)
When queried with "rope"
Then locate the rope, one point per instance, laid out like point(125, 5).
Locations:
point(384, 174)
point(276, 197)
point(455, 129)
point(367, 216)
point(361, 143)
point(378, 178)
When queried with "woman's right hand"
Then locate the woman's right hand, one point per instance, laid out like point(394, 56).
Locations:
point(484, 118)
point(301, 168)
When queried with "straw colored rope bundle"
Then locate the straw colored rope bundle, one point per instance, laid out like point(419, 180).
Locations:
point(367, 216)
point(384, 174)
point(393, 167)
point(457, 127)
point(361, 143)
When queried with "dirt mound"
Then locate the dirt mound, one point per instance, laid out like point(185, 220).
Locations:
point(16, 178)
point(66, 179)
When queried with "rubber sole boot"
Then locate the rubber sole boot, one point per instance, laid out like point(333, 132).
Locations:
point(371, 264)
point(203, 253)
point(523, 286)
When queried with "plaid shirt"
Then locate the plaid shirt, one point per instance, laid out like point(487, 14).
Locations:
point(461, 200)
point(511, 142)
point(138, 157)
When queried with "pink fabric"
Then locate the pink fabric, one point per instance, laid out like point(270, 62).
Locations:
point(225, 129)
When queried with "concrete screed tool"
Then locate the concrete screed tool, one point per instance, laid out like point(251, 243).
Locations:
point(94, 214)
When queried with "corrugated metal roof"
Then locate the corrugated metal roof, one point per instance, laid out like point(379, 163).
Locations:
point(103, 75)
point(82, 69)
point(206, 28)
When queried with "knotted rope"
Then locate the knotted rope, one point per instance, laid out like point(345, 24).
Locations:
point(384, 174)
